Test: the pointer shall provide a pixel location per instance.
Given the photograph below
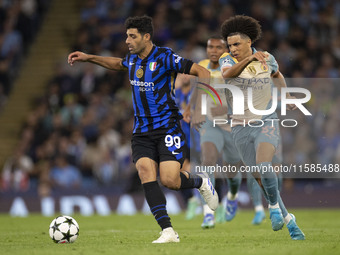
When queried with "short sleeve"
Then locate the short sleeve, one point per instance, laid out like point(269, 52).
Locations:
point(178, 64)
point(273, 65)
point(125, 62)
point(226, 61)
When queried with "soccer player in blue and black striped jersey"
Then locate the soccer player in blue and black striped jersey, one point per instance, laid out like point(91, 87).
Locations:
point(158, 143)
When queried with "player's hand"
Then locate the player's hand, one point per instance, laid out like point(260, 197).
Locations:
point(197, 119)
point(77, 56)
point(260, 56)
point(219, 110)
point(291, 106)
point(186, 114)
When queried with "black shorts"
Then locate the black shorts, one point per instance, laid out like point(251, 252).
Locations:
point(164, 145)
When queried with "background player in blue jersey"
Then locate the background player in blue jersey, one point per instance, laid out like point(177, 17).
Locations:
point(256, 145)
point(158, 143)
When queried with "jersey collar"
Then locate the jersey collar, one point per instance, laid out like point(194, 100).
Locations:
point(150, 53)
point(216, 69)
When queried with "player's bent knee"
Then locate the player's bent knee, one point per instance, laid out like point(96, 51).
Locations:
point(170, 183)
point(145, 174)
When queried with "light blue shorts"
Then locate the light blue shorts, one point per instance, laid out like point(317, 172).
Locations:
point(248, 138)
point(222, 139)
point(278, 157)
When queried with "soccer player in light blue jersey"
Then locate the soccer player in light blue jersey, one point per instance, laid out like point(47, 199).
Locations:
point(243, 67)
point(217, 141)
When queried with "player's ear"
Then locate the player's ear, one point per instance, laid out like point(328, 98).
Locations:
point(147, 37)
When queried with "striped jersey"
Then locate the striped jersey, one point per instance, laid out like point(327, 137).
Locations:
point(152, 81)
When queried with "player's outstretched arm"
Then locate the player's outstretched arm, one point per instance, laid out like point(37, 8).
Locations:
point(202, 73)
point(197, 119)
point(235, 70)
point(279, 80)
point(107, 62)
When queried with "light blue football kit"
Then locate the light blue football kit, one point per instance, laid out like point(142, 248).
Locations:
point(251, 129)
point(258, 77)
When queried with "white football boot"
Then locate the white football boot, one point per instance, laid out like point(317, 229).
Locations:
point(208, 192)
point(168, 235)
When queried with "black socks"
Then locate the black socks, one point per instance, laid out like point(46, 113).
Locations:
point(157, 203)
point(194, 181)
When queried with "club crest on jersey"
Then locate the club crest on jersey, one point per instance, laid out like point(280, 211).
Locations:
point(153, 66)
point(264, 67)
point(252, 69)
point(139, 72)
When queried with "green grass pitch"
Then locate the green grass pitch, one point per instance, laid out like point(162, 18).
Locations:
point(133, 235)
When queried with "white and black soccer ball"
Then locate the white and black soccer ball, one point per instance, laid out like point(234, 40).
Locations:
point(64, 229)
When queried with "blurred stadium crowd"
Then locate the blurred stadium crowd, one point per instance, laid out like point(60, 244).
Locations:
point(78, 134)
point(19, 23)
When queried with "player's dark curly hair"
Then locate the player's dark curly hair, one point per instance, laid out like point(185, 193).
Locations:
point(243, 25)
point(142, 23)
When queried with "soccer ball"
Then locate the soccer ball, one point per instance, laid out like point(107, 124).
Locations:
point(64, 229)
